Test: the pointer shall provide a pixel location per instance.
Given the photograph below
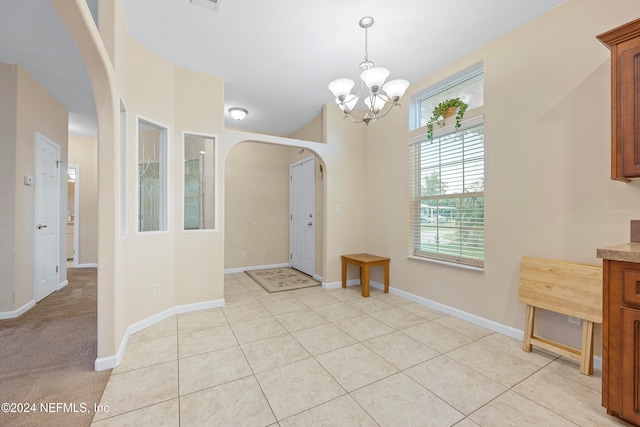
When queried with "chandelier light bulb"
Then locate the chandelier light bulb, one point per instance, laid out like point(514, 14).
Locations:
point(341, 87)
point(374, 77)
point(395, 88)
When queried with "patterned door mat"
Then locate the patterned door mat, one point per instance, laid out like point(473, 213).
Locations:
point(281, 279)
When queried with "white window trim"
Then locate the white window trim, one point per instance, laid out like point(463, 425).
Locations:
point(168, 200)
point(442, 85)
point(439, 132)
point(449, 263)
point(215, 178)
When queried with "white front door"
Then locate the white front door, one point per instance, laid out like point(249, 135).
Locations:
point(47, 185)
point(302, 225)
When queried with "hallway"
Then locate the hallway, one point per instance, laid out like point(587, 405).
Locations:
point(47, 357)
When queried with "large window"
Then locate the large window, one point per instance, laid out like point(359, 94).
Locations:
point(199, 182)
point(447, 185)
point(152, 177)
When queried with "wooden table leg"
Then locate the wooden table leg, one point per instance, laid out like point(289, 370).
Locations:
point(586, 352)
point(364, 278)
point(386, 277)
point(344, 273)
point(529, 324)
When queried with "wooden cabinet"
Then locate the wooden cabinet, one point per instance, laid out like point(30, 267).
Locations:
point(624, 43)
point(621, 340)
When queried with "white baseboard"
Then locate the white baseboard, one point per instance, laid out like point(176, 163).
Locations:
point(19, 312)
point(318, 278)
point(255, 267)
point(62, 285)
point(336, 285)
point(110, 362)
point(471, 318)
point(90, 265)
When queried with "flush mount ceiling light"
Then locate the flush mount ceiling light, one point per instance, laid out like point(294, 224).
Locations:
point(208, 4)
point(238, 113)
point(378, 104)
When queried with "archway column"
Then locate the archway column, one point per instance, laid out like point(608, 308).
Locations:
point(78, 20)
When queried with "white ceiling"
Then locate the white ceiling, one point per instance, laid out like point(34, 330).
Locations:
point(276, 56)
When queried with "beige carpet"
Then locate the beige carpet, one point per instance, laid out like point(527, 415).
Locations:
point(281, 279)
point(47, 356)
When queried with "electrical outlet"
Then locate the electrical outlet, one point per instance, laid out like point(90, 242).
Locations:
point(244, 254)
point(575, 320)
point(156, 289)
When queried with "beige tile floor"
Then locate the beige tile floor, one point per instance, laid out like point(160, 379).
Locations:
point(315, 357)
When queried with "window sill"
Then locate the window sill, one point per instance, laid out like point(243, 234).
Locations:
point(452, 264)
point(151, 233)
point(201, 230)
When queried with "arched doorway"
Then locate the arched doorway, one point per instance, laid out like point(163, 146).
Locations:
point(257, 205)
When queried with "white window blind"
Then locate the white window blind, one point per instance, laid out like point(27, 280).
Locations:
point(447, 194)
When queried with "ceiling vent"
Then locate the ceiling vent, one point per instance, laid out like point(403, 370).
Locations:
point(208, 4)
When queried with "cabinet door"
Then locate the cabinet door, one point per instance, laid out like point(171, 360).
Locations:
point(629, 113)
point(630, 365)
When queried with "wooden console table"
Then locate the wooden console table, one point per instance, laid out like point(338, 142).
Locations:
point(365, 261)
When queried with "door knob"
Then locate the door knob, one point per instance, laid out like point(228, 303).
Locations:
point(309, 223)
point(41, 226)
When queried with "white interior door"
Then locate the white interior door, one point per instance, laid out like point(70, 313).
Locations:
point(47, 185)
point(302, 225)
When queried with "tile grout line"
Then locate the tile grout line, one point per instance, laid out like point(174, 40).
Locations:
point(361, 342)
point(255, 378)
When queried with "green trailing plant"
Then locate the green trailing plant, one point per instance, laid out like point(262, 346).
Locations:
point(439, 111)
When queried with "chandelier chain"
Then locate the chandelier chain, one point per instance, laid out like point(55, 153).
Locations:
point(366, 46)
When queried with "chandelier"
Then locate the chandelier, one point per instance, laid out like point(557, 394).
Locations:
point(382, 97)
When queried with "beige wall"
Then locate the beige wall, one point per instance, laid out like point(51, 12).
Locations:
point(83, 151)
point(184, 265)
point(199, 256)
point(312, 131)
point(548, 192)
point(256, 205)
point(344, 179)
point(8, 100)
point(32, 110)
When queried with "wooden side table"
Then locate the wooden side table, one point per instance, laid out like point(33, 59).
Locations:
point(365, 261)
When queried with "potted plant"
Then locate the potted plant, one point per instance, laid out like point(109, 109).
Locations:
point(446, 109)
